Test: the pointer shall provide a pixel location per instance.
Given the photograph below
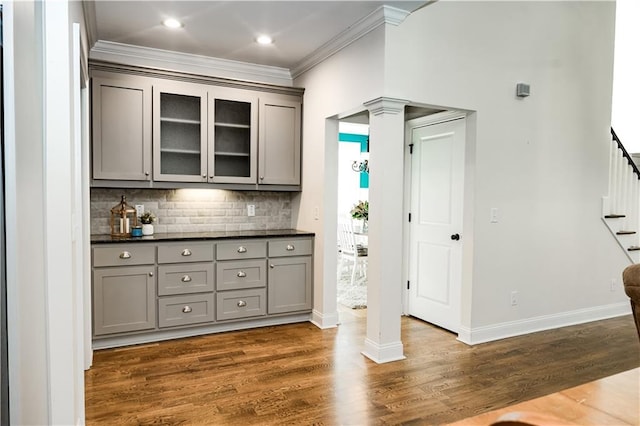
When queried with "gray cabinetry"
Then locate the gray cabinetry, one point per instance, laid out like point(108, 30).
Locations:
point(290, 277)
point(279, 142)
point(185, 283)
point(233, 136)
point(121, 145)
point(241, 279)
point(156, 290)
point(179, 132)
point(124, 296)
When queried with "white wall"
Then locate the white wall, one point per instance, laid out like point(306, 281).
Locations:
point(46, 373)
point(542, 160)
point(338, 85)
point(626, 84)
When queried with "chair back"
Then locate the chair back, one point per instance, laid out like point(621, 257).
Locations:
point(346, 238)
point(631, 280)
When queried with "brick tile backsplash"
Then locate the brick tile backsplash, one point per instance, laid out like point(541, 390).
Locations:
point(196, 210)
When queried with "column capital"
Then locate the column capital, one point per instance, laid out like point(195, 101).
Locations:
point(384, 105)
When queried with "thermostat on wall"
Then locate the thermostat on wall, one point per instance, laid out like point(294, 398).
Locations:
point(522, 90)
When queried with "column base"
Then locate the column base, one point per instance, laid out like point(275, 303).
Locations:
point(381, 354)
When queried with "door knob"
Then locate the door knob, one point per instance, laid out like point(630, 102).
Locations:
point(455, 237)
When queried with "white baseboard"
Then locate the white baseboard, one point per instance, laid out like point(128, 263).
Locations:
point(381, 354)
point(490, 333)
point(324, 321)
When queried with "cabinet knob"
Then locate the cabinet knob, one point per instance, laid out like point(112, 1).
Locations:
point(204, 176)
point(242, 249)
point(242, 274)
point(186, 309)
point(125, 255)
point(186, 252)
point(261, 177)
point(272, 266)
point(211, 177)
point(241, 303)
point(291, 247)
point(150, 274)
point(185, 279)
point(146, 173)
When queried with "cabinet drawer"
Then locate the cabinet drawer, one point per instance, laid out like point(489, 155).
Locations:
point(290, 247)
point(123, 255)
point(239, 274)
point(241, 250)
point(185, 252)
point(241, 304)
point(184, 310)
point(185, 278)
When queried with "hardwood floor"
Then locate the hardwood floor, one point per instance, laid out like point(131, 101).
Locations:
point(299, 374)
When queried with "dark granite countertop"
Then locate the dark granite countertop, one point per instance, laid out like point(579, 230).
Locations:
point(186, 236)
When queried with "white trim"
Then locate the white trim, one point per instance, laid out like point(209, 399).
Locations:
point(381, 354)
point(184, 62)
point(503, 330)
point(384, 105)
point(323, 321)
point(382, 15)
point(14, 337)
point(157, 336)
point(437, 118)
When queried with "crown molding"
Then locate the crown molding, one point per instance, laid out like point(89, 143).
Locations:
point(384, 105)
point(89, 14)
point(184, 62)
point(382, 15)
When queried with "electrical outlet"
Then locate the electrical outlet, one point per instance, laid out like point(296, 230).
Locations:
point(494, 215)
point(613, 284)
point(251, 209)
point(139, 209)
point(514, 298)
point(316, 213)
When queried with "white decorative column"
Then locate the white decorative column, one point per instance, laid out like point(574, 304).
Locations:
point(386, 184)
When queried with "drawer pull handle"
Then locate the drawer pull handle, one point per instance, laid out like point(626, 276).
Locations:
point(242, 249)
point(242, 274)
point(241, 303)
point(290, 247)
point(186, 252)
point(125, 255)
point(187, 309)
point(185, 279)
point(272, 266)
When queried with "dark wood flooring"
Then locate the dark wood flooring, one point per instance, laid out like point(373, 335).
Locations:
point(299, 374)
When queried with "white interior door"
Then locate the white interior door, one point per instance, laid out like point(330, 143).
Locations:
point(435, 242)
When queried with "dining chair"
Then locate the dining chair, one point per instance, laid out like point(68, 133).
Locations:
point(356, 254)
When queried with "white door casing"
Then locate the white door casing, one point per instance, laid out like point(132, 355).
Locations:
point(435, 230)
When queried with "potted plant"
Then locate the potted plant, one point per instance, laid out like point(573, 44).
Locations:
point(360, 211)
point(147, 219)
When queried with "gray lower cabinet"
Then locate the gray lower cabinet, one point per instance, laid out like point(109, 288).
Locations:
point(168, 288)
point(124, 299)
point(290, 277)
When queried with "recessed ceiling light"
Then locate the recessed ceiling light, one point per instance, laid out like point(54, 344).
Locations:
point(264, 39)
point(172, 23)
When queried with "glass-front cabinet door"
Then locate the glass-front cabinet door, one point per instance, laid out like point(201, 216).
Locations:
point(180, 132)
point(233, 131)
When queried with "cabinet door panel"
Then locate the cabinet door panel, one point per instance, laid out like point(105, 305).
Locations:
point(121, 128)
point(180, 132)
point(233, 136)
point(123, 299)
point(289, 284)
point(279, 142)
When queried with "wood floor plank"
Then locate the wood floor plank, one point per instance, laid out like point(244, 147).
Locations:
point(299, 374)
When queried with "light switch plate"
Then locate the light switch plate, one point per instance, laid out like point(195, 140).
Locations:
point(139, 209)
point(251, 209)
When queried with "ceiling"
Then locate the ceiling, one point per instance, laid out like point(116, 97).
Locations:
point(227, 29)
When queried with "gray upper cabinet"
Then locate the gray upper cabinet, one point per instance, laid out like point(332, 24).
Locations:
point(233, 136)
point(179, 132)
point(121, 127)
point(158, 130)
point(279, 141)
